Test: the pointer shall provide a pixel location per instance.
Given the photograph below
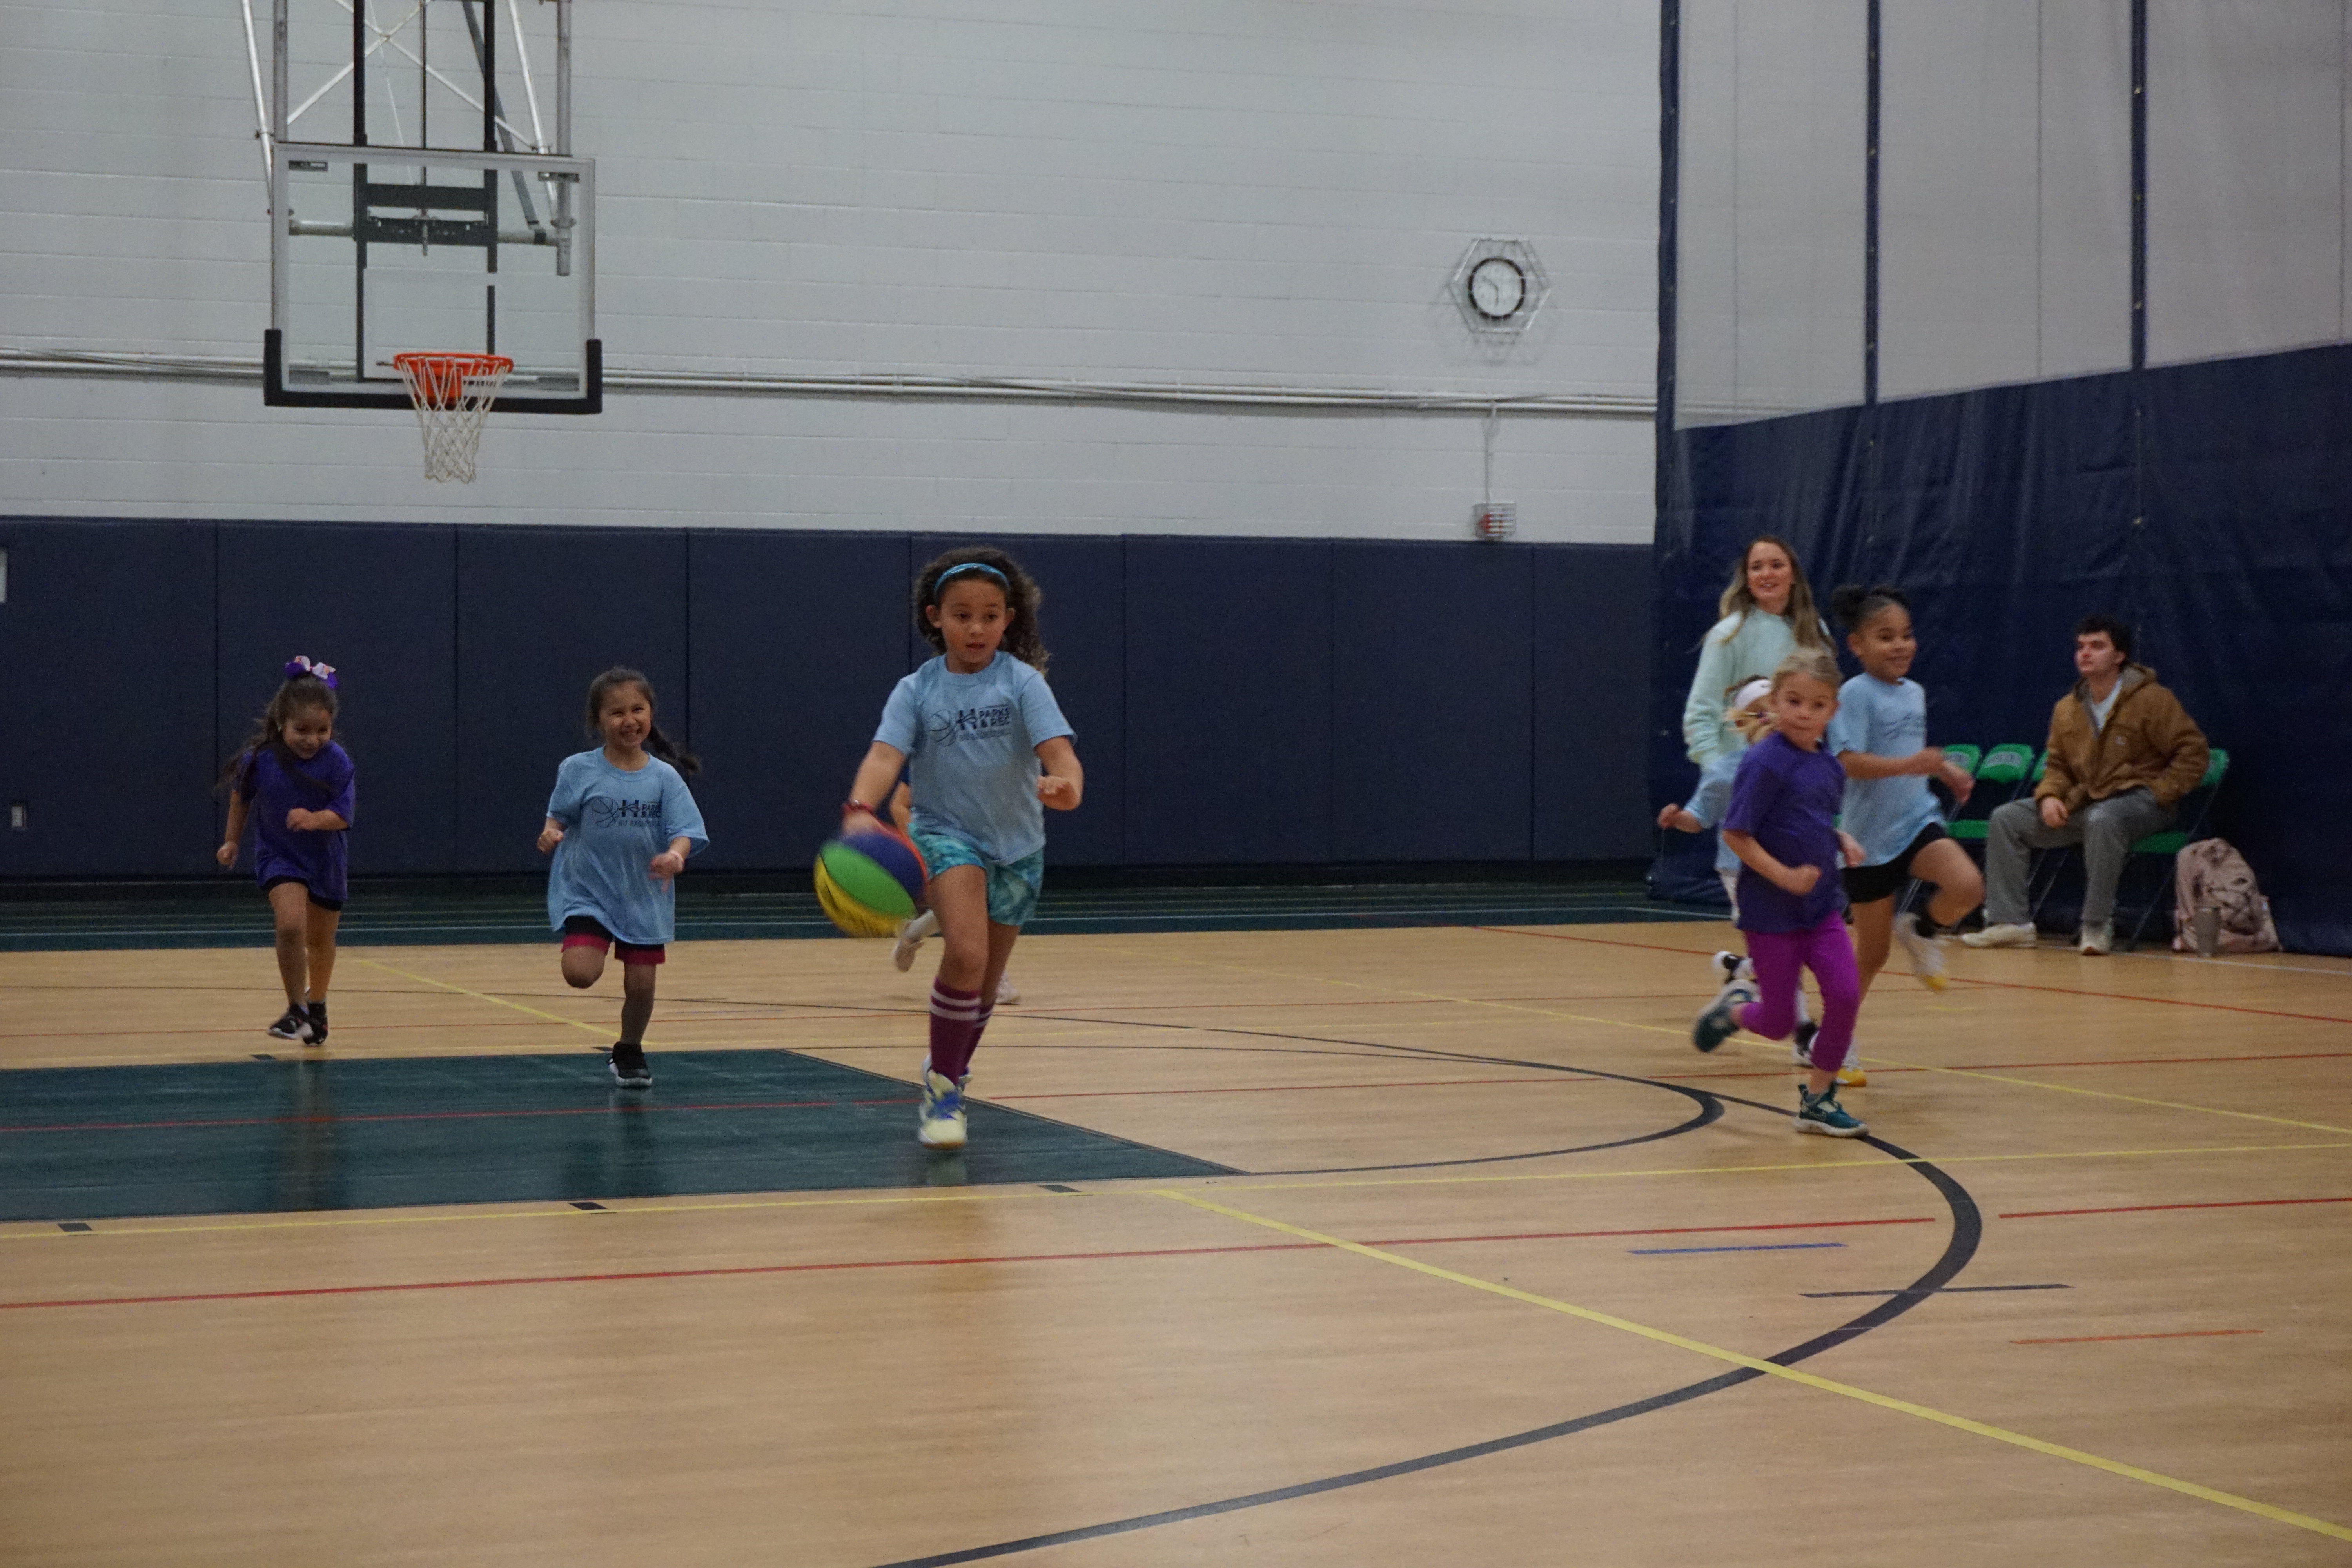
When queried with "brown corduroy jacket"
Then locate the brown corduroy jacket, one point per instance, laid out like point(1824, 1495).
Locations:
point(2150, 741)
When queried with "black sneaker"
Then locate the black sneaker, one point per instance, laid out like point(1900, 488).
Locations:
point(295, 1026)
point(1801, 1045)
point(318, 1024)
point(627, 1063)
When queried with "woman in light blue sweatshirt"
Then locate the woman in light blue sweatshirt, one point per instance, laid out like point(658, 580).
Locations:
point(1768, 613)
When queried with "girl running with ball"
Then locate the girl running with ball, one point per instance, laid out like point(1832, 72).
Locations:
point(988, 750)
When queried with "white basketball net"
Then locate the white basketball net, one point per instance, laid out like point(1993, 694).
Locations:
point(453, 394)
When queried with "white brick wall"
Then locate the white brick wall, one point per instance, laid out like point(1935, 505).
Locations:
point(1254, 191)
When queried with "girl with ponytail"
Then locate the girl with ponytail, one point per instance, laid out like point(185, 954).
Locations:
point(620, 825)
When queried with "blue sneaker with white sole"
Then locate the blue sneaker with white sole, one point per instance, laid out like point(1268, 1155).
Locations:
point(1822, 1113)
point(939, 1123)
point(1716, 1024)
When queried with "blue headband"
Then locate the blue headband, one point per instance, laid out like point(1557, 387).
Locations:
point(970, 566)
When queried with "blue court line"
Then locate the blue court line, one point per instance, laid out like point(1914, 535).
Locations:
point(1766, 1246)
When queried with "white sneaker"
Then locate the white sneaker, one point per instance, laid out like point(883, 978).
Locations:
point(1927, 958)
point(2099, 940)
point(910, 937)
point(2007, 935)
point(1006, 991)
point(939, 1123)
point(1731, 966)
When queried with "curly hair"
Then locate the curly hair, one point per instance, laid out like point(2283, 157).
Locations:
point(687, 763)
point(1854, 606)
point(1022, 640)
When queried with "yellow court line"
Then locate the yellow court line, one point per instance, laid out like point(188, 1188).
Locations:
point(2110, 1094)
point(1684, 1034)
point(1789, 1374)
point(990, 1195)
point(1879, 1164)
point(481, 996)
point(48, 1230)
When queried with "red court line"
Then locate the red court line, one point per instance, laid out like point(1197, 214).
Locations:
point(2153, 1208)
point(440, 1116)
point(907, 1263)
point(2109, 1339)
point(1960, 979)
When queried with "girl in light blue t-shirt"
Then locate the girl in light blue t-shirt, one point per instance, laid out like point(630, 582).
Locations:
point(1880, 735)
point(986, 745)
point(620, 822)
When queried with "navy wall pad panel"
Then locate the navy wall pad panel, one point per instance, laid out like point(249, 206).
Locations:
point(107, 636)
point(379, 603)
point(541, 613)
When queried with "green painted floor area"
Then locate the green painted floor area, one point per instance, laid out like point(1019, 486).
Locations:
point(80, 1143)
point(226, 914)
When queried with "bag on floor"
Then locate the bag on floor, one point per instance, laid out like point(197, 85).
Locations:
point(2209, 874)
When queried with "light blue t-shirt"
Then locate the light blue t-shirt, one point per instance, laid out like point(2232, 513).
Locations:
point(971, 746)
point(614, 823)
point(1885, 720)
point(1713, 798)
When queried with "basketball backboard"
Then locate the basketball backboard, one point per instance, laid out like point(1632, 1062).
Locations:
point(397, 242)
point(382, 251)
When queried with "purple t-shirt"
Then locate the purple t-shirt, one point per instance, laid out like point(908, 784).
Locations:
point(320, 861)
point(1787, 799)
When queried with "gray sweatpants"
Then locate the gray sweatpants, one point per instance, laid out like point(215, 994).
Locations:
point(2107, 829)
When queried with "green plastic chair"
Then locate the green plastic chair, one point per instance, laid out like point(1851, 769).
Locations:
point(1965, 756)
point(2005, 765)
point(2178, 839)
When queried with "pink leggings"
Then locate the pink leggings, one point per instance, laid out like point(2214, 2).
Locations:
point(1829, 953)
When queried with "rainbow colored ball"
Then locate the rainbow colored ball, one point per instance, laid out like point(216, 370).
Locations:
point(871, 880)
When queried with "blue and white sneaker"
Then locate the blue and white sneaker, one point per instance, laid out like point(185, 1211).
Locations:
point(1822, 1113)
point(939, 1123)
point(1716, 1024)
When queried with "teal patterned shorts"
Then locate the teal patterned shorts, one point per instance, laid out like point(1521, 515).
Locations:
point(1012, 890)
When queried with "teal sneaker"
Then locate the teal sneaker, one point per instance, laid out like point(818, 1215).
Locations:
point(1822, 1113)
point(939, 1123)
point(1717, 1023)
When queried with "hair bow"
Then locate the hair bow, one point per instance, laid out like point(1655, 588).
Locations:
point(300, 665)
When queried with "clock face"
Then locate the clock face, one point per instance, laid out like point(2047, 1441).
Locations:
point(1498, 288)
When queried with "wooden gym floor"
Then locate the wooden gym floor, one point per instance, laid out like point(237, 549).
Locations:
point(1443, 1246)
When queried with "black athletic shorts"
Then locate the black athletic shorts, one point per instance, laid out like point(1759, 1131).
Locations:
point(335, 904)
point(1868, 884)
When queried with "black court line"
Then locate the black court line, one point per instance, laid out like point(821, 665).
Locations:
point(1946, 1290)
point(1968, 1233)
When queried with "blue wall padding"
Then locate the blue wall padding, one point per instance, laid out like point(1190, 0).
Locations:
point(1229, 713)
point(1237, 702)
point(1430, 682)
point(107, 640)
point(1591, 636)
point(2209, 504)
point(1085, 625)
point(376, 601)
point(541, 613)
point(794, 650)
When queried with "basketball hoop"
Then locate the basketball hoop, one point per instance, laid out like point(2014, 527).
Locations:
point(453, 392)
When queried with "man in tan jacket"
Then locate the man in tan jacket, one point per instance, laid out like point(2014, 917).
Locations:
point(2122, 754)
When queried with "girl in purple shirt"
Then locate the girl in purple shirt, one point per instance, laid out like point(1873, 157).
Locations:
point(1782, 824)
point(296, 783)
